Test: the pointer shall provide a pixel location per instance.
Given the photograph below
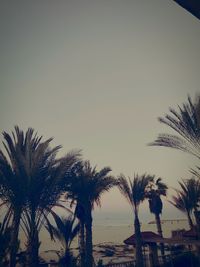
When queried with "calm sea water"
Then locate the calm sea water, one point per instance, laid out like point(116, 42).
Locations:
point(112, 228)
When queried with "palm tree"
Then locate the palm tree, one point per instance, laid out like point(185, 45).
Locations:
point(46, 187)
point(65, 231)
point(86, 189)
point(13, 183)
point(32, 180)
point(135, 192)
point(156, 189)
point(182, 203)
point(191, 188)
point(73, 193)
point(186, 122)
point(188, 199)
point(80, 214)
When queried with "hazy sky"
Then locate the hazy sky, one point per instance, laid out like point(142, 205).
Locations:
point(96, 74)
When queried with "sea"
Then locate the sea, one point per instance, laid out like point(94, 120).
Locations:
point(115, 228)
point(109, 228)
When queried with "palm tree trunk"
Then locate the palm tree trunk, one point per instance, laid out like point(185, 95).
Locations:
point(14, 238)
point(33, 250)
point(33, 244)
point(197, 217)
point(159, 229)
point(190, 220)
point(80, 214)
point(88, 226)
point(138, 242)
point(82, 243)
point(67, 258)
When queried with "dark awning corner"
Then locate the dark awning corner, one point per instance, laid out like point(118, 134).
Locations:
point(192, 6)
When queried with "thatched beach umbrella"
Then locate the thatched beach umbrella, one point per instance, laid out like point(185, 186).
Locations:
point(146, 237)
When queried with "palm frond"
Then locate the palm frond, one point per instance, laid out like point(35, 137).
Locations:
point(32, 178)
point(178, 203)
point(186, 123)
point(134, 190)
point(65, 230)
point(87, 184)
point(125, 187)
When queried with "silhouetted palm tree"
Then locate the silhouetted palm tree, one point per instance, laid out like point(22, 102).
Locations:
point(156, 189)
point(32, 180)
point(65, 231)
point(135, 192)
point(186, 122)
point(46, 187)
point(13, 181)
point(188, 199)
point(86, 188)
point(182, 203)
point(191, 188)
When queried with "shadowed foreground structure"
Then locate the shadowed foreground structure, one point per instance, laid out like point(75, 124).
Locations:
point(192, 6)
point(152, 240)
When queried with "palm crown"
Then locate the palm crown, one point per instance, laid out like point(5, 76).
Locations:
point(31, 179)
point(186, 122)
point(86, 188)
point(66, 230)
point(191, 189)
point(187, 198)
point(88, 184)
point(134, 190)
point(155, 190)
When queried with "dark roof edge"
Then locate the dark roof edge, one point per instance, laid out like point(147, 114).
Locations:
point(192, 6)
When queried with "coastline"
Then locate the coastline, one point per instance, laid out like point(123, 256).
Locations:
point(111, 238)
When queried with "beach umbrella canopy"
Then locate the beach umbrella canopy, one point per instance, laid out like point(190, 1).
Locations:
point(147, 237)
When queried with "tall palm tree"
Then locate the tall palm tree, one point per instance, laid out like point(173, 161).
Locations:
point(86, 188)
point(65, 231)
point(32, 180)
point(182, 203)
point(46, 187)
point(191, 189)
point(13, 182)
point(188, 199)
point(186, 122)
point(135, 192)
point(156, 189)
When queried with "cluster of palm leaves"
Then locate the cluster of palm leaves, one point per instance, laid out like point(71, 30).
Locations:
point(86, 189)
point(136, 190)
point(186, 123)
point(187, 199)
point(33, 181)
point(65, 231)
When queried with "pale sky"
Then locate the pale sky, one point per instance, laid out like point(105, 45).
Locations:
point(95, 75)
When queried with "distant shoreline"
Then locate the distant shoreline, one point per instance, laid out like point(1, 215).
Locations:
point(167, 220)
